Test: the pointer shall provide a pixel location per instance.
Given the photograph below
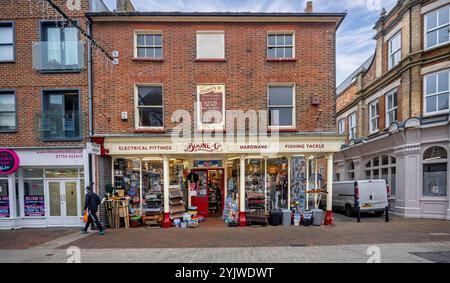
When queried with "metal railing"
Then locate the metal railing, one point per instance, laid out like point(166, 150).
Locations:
point(60, 126)
point(55, 56)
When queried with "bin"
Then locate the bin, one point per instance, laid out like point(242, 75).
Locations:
point(307, 218)
point(317, 218)
point(287, 217)
point(275, 217)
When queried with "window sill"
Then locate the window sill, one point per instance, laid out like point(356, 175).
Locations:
point(432, 48)
point(8, 62)
point(59, 71)
point(281, 60)
point(218, 130)
point(434, 199)
point(434, 114)
point(137, 59)
point(374, 133)
point(63, 140)
point(8, 131)
point(211, 60)
point(149, 131)
point(282, 130)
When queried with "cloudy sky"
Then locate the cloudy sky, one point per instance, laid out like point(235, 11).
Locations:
point(354, 39)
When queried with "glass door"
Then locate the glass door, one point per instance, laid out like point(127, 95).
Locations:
point(64, 203)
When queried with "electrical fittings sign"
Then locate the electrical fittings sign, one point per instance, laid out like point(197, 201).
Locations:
point(9, 161)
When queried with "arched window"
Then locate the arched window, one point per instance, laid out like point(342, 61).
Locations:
point(382, 167)
point(351, 171)
point(435, 172)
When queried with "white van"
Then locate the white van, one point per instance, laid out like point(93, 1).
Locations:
point(373, 196)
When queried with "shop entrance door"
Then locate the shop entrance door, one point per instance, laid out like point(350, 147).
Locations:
point(210, 191)
point(64, 208)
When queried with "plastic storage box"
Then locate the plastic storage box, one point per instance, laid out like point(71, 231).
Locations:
point(287, 217)
point(317, 217)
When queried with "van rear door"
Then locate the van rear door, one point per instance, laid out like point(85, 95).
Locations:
point(373, 194)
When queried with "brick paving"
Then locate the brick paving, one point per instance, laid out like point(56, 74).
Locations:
point(29, 238)
point(214, 235)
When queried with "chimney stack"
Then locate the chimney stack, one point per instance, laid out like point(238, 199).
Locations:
point(309, 7)
point(124, 6)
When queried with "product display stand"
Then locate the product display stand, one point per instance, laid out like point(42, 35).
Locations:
point(256, 201)
point(153, 201)
point(177, 207)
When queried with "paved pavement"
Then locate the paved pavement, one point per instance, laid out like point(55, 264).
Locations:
point(401, 240)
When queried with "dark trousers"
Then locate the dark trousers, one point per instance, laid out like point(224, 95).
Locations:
point(93, 219)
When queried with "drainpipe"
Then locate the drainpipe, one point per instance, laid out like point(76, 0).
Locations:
point(90, 98)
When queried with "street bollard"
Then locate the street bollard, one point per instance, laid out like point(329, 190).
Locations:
point(386, 214)
point(358, 214)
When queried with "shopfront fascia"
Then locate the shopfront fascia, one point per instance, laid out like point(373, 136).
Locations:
point(47, 189)
point(238, 159)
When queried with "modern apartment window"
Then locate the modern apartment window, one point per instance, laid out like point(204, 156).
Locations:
point(341, 126)
point(436, 89)
point(437, 27)
point(281, 106)
point(374, 115)
point(280, 46)
point(61, 117)
point(60, 46)
point(149, 106)
point(8, 120)
point(7, 42)
point(149, 45)
point(395, 50)
point(391, 108)
point(211, 45)
point(352, 126)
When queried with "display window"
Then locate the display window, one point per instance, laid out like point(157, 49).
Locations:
point(277, 183)
point(298, 183)
point(127, 182)
point(152, 191)
point(4, 199)
point(33, 192)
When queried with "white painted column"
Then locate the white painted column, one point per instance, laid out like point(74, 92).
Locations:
point(113, 160)
point(330, 182)
point(12, 196)
point(242, 185)
point(307, 182)
point(141, 195)
point(265, 183)
point(166, 184)
point(289, 181)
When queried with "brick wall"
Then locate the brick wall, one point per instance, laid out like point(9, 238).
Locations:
point(28, 83)
point(246, 72)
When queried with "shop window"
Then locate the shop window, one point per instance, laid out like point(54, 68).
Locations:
point(127, 178)
point(395, 50)
point(391, 108)
point(277, 183)
point(435, 172)
point(374, 114)
point(382, 167)
point(437, 26)
point(34, 197)
point(8, 115)
point(7, 42)
point(211, 45)
point(281, 106)
point(437, 90)
point(280, 46)
point(352, 126)
point(255, 187)
point(149, 45)
point(61, 117)
point(211, 106)
point(152, 186)
point(298, 183)
point(4, 199)
point(149, 107)
point(233, 179)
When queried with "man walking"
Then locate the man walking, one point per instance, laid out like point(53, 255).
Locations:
point(91, 204)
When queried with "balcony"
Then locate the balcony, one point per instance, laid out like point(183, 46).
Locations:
point(60, 126)
point(58, 56)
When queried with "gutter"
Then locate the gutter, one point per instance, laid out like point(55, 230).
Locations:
point(90, 98)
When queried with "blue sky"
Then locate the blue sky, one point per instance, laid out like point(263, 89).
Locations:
point(354, 39)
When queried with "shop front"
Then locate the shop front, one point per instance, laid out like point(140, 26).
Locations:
point(42, 188)
point(234, 181)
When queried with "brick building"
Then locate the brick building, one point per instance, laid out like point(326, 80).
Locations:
point(190, 71)
point(394, 110)
point(43, 113)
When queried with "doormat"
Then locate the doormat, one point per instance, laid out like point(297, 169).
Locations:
point(436, 257)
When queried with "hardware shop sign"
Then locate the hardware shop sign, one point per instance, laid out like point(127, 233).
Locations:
point(9, 161)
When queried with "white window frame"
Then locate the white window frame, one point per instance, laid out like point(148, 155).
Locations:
point(426, 31)
point(136, 107)
point(374, 117)
point(148, 32)
point(281, 46)
point(13, 43)
point(390, 96)
point(393, 61)
point(352, 126)
point(217, 32)
point(294, 112)
point(341, 126)
point(434, 94)
point(218, 126)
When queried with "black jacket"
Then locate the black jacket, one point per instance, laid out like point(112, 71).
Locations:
point(92, 202)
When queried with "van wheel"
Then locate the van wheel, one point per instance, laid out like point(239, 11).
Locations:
point(348, 210)
point(379, 213)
